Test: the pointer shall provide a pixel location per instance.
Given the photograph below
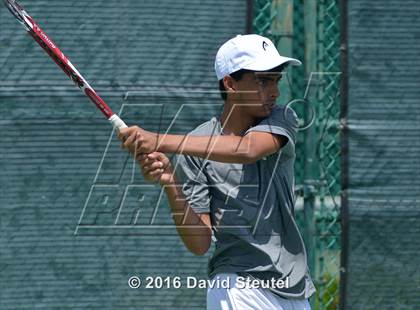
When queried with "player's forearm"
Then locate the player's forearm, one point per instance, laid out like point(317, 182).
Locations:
point(195, 234)
point(228, 149)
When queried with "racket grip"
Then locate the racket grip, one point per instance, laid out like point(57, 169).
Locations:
point(117, 122)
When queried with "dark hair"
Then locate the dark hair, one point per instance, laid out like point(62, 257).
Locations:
point(237, 76)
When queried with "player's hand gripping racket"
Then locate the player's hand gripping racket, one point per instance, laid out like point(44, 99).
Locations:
point(58, 56)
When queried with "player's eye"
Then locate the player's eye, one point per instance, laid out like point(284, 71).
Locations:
point(263, 82)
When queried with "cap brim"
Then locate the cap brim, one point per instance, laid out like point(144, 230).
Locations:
point(268, 65)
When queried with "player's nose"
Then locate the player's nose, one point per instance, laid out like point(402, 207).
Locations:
point(275, 91)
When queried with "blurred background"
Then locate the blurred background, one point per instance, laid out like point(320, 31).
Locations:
point(76, 218)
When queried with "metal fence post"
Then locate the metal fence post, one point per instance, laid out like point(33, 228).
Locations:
point(310, 164)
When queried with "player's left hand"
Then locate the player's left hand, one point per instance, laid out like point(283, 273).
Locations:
point(136, 140)
point(156, 167)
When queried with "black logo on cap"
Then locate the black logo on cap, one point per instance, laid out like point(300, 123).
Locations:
point(265, 44)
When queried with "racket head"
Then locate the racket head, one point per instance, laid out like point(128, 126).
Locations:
point(19, 13)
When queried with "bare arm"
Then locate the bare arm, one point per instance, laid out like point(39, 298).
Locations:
point(194, 229)
point(229, 149)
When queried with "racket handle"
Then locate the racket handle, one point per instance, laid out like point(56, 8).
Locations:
point(117, 122)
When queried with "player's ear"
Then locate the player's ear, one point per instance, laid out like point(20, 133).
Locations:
point(229, 83)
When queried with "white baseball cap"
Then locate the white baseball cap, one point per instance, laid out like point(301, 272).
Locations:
point(251, 52)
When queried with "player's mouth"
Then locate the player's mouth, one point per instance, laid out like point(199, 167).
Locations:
point(269, 105)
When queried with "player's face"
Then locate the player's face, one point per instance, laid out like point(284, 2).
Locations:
point(258, 92)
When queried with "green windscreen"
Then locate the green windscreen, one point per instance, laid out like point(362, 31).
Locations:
point(77, 220)
point(383, 155)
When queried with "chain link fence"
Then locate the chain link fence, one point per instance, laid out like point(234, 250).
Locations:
point(310, 31)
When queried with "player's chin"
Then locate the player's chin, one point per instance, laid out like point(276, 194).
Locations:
point(266, 110)
point(261, 110)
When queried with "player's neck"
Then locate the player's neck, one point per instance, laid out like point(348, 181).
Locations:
point(234, 122)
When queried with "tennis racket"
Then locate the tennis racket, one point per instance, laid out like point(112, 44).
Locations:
point(62, 61)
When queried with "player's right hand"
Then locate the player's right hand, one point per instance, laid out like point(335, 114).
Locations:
point(156, 167)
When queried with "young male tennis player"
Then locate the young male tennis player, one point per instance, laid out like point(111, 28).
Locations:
point(233, 179)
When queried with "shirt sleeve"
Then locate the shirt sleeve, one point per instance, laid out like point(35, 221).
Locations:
point(282, 121)
point(194, 182)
